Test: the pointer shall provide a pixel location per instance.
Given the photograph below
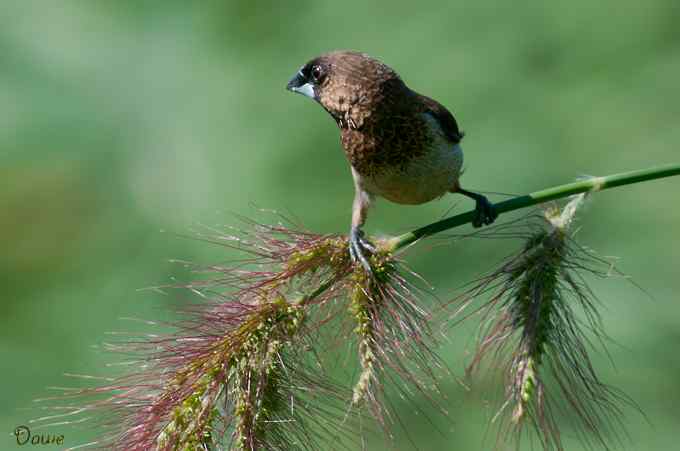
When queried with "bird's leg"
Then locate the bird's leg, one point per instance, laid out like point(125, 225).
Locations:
point(485, 213)
point(359, 247)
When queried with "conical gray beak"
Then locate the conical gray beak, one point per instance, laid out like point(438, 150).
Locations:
point(300, 85)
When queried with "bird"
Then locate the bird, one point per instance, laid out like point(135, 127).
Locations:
point(401, 145)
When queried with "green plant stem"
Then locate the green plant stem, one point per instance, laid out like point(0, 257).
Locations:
point(537, 197)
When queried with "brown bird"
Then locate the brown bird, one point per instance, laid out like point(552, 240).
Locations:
point(402, 145)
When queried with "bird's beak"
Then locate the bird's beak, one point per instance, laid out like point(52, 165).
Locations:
point(300, 85)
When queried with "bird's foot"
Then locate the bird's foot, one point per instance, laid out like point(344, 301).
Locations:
point(485, 213)
point(360, 249)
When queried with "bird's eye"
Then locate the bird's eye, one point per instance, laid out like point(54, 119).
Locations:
point(317, 73)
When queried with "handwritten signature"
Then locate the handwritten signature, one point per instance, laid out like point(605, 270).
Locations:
point(24, 437)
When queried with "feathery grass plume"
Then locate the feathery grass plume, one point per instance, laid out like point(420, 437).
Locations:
point(242, 369)
point(531, 329)
point(394, 339)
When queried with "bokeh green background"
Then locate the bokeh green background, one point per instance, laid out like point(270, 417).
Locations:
point(125, 124)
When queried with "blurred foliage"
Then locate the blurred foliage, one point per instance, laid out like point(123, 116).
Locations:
point(120, 121)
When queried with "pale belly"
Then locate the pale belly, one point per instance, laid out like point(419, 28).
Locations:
point(422, 180)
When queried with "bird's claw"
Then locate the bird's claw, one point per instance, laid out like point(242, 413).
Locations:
point(485, 212)
point(358, 247)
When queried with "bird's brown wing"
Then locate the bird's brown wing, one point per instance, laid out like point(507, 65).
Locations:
point(443, 116)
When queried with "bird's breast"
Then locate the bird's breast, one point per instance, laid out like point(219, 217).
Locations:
point(421, 180)
point(413, 167)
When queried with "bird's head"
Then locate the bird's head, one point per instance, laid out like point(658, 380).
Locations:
point(344, 80)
